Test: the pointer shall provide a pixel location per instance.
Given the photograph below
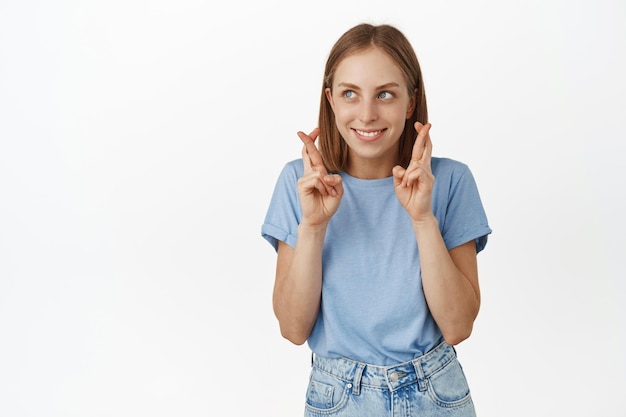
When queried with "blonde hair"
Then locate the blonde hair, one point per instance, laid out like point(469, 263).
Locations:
point(333, 148)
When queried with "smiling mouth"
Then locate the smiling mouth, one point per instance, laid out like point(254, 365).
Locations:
point(369, 133)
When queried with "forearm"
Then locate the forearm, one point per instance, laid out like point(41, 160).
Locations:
point(298, 288)
point(452, 299)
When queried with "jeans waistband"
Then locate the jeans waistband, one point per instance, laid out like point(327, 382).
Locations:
point(391, 377)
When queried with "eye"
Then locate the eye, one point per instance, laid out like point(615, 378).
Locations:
point(349, 94)
point(385, 95)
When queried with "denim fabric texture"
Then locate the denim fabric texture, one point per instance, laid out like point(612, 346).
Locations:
point(431, 385)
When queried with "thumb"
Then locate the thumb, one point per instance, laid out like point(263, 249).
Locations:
point(398, 173)
point(334, 180)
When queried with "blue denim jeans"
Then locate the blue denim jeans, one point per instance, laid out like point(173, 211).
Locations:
point(431, 385)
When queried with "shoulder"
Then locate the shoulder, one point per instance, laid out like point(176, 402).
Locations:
point(294, 168)
point(450, 168)
point(291, 172)
point(452, 175)
point(447, 164)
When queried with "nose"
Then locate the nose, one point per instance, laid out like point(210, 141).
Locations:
point(368, 111)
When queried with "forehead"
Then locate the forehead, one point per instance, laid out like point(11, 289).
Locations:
point(371, 66)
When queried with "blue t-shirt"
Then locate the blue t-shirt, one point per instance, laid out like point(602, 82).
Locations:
point(373, 308)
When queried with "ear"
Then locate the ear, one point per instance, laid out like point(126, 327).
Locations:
point(329, 97)
point(412, 104)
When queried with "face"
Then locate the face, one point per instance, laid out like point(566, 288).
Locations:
point(371, 103)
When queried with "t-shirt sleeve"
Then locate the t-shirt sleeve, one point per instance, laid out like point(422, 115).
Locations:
point(465, 217)
point(284, 212)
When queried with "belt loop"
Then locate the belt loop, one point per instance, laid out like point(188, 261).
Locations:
point(356, 383)
point(421, 379)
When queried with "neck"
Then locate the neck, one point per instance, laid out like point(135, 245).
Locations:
point(373, 168)
point(369, 169)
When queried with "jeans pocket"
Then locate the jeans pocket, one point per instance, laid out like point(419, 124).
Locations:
point(448, 387)
point(326, 393)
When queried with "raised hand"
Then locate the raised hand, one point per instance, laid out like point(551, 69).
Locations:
point(414, 185)
point(320, 193)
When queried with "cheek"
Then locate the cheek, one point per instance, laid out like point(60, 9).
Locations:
point(342, 113)
point(401, 114)
point(395, 116)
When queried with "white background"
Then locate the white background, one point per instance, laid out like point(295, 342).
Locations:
point(139, 145)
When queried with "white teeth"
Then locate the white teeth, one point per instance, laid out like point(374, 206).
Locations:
point(369, 134)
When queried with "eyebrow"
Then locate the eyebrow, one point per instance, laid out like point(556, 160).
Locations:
point(380, 87)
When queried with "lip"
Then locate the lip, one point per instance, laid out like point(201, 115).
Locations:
point(368, 135)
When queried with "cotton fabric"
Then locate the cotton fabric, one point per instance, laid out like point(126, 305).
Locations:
point(373, 308)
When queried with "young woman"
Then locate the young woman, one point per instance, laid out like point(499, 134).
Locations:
point(377, 242)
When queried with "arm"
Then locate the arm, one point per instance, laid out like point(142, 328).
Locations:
point(298, 283)
point(450, 281)
point(449, 278)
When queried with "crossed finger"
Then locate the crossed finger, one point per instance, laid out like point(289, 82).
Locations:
point(421, 154)
point(311, 156)
point(312, 159)
point(421, 142)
